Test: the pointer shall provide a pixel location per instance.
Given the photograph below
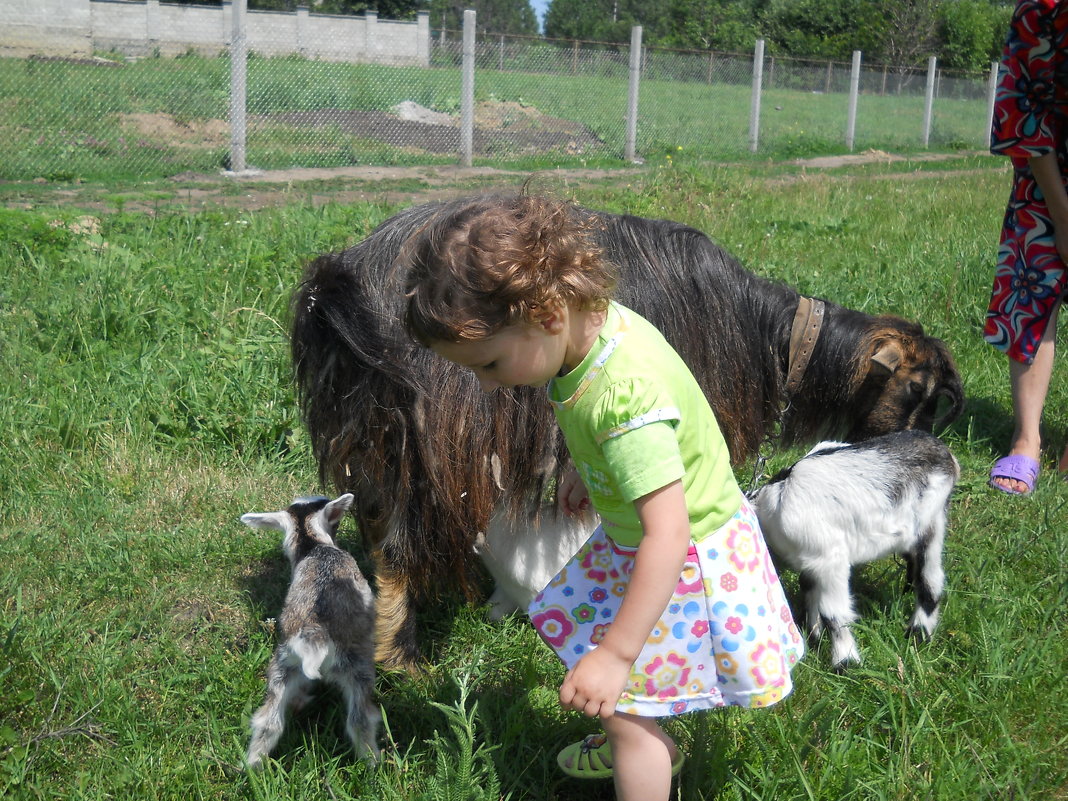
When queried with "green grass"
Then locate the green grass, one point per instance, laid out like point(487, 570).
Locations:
point(161, 117)
point(145, 404)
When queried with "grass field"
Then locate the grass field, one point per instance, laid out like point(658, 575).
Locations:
point(145, 403)
point(113, 120)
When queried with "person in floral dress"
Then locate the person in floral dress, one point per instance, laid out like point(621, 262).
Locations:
point(1030, 126)
point(673, 604)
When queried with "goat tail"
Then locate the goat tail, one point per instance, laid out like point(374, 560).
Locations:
point(311, 653)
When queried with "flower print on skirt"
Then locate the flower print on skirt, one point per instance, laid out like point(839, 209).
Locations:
point(727, 637)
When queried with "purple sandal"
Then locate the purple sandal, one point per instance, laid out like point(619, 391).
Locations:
point(1018, 467)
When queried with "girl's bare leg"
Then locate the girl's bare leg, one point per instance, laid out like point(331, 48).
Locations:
point(641, 757)
point(1030, 384)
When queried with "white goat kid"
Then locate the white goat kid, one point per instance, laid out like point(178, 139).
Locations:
point(326, 627)
point(847, 504)
point(523, 557)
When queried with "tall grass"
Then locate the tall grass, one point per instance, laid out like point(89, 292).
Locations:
point(146, 404)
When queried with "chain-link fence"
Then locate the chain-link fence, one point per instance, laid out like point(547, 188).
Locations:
point(537, 103)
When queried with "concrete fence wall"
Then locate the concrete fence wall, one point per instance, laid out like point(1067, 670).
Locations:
point(147, 27)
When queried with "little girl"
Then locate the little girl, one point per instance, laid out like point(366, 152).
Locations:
point(673, 604)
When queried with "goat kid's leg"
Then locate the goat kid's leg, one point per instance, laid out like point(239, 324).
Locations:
point(361, 715)
point(813, 624)
point(500, 605)
point(285, 687)
point(831, 604)
point(928, 581)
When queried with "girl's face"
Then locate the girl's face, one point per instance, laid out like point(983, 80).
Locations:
point(523, 354)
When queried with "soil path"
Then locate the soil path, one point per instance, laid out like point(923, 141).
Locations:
point(386, 185)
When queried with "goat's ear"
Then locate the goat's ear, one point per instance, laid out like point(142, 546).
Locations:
point(275, 520)
point(336, 508)
point(887, 357)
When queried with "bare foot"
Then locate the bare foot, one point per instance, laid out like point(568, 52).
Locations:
point(1015, 485)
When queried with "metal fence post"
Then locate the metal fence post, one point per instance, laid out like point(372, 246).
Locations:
point(632, 92)
point(238, 84)
point(928, 103)
point(854, 90)
point(467, 90)
point(754, 103)
point(991, 92)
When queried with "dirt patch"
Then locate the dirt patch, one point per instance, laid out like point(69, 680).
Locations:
point(168, 130)
point(499, 115)
point(85, 62)
point(868, 157)
point(318, 185)
point(499, 127)
point(394, 185)
point(512, 135)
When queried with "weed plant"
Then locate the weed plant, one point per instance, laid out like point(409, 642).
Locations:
point(145, 403)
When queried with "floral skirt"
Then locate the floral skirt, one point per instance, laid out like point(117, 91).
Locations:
point(726, 638)
point(1030, 279)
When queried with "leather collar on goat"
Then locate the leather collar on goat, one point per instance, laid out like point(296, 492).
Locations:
point(808, 321)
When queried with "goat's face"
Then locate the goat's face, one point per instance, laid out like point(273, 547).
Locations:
point(910, 376)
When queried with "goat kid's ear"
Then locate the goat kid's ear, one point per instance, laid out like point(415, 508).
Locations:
point(263, 520)
point(334, 510)
point(888, 356)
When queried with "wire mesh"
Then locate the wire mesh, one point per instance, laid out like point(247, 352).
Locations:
point(304, 113)
point(537, 102)
point(66, 118)
point(549, 99)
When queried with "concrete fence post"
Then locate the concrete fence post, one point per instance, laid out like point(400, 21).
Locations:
point(422, 38)
point(302, 31)
point(754, 102)
point(238, 84)
point(928, 102)
point(151, 26)
point(467, 90)
point(991, 96)
point(854, 91)
point(632, 92)
point(370, 38)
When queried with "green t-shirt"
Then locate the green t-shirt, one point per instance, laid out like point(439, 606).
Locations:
point(635, 420)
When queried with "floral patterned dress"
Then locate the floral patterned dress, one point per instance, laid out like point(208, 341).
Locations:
point(726, 638)
point(1030, 119)
point(635, 419)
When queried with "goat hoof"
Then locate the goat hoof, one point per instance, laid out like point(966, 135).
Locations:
point(842, 660)
point(841, 668)
point(920, 635)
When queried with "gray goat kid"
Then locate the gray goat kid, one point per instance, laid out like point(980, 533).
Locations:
point(843, 505)
point(326, 627)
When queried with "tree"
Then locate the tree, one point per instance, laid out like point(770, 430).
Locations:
point(729, 25)
point(909, 33)
point(608, 20)
point(820, 28)
point(492, 16)
point(972, 33)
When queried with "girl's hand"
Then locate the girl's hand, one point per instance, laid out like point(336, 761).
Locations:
point(1060, 238)
point(594, 685)
point(571, 494)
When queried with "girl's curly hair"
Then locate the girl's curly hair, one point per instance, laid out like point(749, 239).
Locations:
point(480, 265)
